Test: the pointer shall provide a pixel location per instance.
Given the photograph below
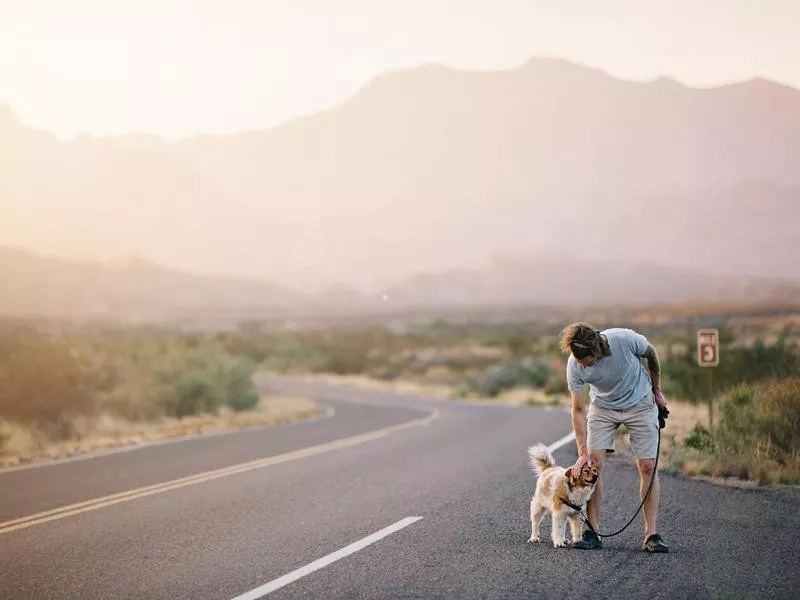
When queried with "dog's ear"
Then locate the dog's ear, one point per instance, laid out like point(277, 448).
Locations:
point(570, 477)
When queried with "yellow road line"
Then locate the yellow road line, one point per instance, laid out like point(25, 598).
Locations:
point(104, 501)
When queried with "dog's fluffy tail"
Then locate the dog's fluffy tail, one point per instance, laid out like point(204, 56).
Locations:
point(541, 458)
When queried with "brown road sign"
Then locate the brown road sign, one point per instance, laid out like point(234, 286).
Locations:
point(708, 347)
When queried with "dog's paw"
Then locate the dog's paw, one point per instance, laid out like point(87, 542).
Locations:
point(559, 543)
point(534, 539)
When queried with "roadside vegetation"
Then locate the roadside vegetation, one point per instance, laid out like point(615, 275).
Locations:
point(63, 394)
point(756, 437)
point(62, 386)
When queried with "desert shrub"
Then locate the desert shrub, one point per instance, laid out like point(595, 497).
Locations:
point(252, 346)
point(497, 379)
point(240, 394)
point(192, 393)
point(340, 352)
point(44, 382)
point(700, 438)
point(518, 345)
point(203, 380)
point(507, 375)
point(757, 435)
point(52, 385)
point(535, 374)
point(344, 360)
point(765, 417)
point(557, 385)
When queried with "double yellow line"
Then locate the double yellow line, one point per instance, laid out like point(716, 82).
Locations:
point(142, 492)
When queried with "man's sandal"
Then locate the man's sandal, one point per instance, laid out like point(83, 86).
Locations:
point(654, 543)
point(589, 541)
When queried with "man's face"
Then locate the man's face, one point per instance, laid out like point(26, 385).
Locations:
point(586, 361)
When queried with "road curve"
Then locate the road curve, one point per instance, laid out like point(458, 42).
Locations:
point(385, 497)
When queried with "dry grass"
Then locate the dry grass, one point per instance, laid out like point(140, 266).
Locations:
point(755, 437)
point(682, 418)
point(406, 388)
point(748, 467)
point(25, 444)
point(530, 397)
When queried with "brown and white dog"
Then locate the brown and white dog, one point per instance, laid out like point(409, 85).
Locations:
point(556, 489)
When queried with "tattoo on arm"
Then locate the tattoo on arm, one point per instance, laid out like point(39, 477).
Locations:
point(652, 359)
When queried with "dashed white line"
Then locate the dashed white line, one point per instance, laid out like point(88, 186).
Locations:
point(280, 582)
point(275, 584)
point(562, 442)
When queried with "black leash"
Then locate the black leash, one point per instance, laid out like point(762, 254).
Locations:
point(662, 416)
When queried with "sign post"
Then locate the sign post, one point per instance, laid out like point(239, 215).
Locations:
point(708, 356)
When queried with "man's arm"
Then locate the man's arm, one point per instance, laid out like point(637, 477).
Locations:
point(655, 367)
point(579, 428)
point(655, 373)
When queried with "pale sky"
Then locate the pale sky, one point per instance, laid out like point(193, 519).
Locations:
point(182, 67)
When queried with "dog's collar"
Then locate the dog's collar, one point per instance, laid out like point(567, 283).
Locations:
point(574, 507)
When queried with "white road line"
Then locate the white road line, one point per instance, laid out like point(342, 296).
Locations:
point(327, 413)
point(280, 582)
point(158, 488)
point(562, 442)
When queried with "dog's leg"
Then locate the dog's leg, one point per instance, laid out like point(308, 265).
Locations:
point(575, 527)
point(559, 529)
point(537, 513)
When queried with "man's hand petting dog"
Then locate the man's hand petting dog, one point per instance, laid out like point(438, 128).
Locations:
point(584, 460)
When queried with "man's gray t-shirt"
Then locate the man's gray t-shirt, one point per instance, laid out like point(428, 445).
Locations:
point(618, 381)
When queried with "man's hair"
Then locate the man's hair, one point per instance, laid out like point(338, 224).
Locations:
point(582, 340)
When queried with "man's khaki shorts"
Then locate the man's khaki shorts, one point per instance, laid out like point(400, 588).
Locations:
point(641, 420)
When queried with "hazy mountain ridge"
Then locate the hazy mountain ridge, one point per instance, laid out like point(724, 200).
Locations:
point(41, 286)
point(489, 158)
point(557, 281)
point(433, 169)
point(36, 285)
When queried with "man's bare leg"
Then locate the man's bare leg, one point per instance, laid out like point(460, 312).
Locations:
point(596, 501)
point(650, 509)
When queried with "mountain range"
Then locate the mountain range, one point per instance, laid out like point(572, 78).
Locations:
point(548, 182)
point(142, 291)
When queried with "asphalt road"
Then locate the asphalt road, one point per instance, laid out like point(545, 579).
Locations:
point(383, 497)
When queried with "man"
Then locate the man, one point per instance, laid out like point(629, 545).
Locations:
point(621, 391)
